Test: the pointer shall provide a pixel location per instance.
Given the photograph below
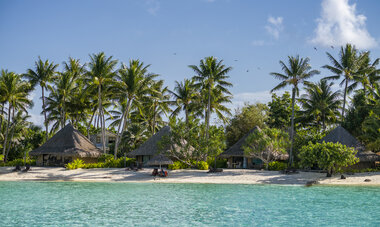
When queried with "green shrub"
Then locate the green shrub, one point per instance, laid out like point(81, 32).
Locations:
point(220, 163)
point(76, 164)
point(178, 165)
point(277, 166)
point(20, 162)
point(105, 157)
point(109, 163)
point(202, 165)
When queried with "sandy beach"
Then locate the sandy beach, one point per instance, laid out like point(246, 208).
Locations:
point(228, 176)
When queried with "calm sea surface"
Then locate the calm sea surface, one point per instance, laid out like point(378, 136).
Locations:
point(127, 204)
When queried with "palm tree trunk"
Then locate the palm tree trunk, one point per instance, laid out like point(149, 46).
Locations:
point(1, 114)
point(89, 124)
point(43, 110)
point(12, 133)
point(101, 116)
point(7, 131)
point(125, 118)
point(344, 99)
point(187, 115)
point(292, 128)
point(154, 119)
point(208, 114)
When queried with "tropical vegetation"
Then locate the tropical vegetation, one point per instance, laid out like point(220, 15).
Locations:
point(134, 103)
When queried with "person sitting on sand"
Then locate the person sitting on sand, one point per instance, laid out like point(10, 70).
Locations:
point(155, 172)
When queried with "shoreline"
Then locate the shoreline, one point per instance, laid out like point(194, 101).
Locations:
point(228, 176)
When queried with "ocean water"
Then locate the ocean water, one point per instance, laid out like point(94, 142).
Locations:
point(129, 204)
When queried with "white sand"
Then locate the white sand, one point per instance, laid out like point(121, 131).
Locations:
point(228, 176)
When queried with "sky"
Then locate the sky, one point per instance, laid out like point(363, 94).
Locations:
point(248, 35)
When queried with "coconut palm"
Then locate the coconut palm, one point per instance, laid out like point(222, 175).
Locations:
point(347, 66)
point(295, 74)
point(57, 101)
point(155, 105)
point(100, 77)
point(134, 81)
point(368, 74)
point(320, 104)
point(15, 92)
point(211, 74)
point(185, 97)
point(42, 75)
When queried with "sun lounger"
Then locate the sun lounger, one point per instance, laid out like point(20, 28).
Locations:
point(27, 168)
point(213, 170)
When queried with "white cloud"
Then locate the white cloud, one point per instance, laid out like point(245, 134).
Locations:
point(36, 119)
point(340, 24)
point(152, 6)
point(275, 26)
point(240, 99)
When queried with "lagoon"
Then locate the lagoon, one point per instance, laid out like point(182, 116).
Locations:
point(146, 204)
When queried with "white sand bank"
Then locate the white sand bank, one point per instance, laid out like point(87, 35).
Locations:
point(228, 176)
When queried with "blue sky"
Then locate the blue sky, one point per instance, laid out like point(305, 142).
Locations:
point(251, 36)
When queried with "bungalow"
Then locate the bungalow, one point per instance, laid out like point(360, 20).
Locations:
point(65, 146)
point(237, 159)
point(110, 139)
point(367, 159)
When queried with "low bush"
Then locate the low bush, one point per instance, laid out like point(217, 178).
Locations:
point(277, 166)
point(362, 170)
point(76, 164)
point(201, 165)
point(105, 158)
point(178, 165)
point(20, 162)
point(108, 163)
point(220, 163)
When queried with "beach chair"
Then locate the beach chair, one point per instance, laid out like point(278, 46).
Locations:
point(27, 168)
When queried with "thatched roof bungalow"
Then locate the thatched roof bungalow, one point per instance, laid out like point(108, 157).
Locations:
point(236, 157)
point(150, 148)
point(65, 146)
point(341, 135)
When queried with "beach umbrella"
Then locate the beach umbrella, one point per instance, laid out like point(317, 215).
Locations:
point(159, 160)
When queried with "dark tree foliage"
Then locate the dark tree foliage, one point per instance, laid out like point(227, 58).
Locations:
point(280, 111)
point(357, 113)
point(244, 120)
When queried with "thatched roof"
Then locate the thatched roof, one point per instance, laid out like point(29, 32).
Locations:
point(236, 150)
point(341, 135)
point(68, 142)
point(150, 147)
point(159, 160)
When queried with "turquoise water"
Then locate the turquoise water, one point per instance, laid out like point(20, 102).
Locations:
point(127, 204)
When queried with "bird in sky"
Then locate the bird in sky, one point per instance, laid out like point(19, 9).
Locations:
point(315, 48)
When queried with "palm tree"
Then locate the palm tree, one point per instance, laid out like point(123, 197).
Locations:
point(368, 74)
point(134, 81)
point(211, 74)
point(320, 105)
point(298, 71)
point(100, 77)
point(42, 75)
point(60, 96)
point(15, 92)
point(185, 97)
point(348, 66)
point(155, 105)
